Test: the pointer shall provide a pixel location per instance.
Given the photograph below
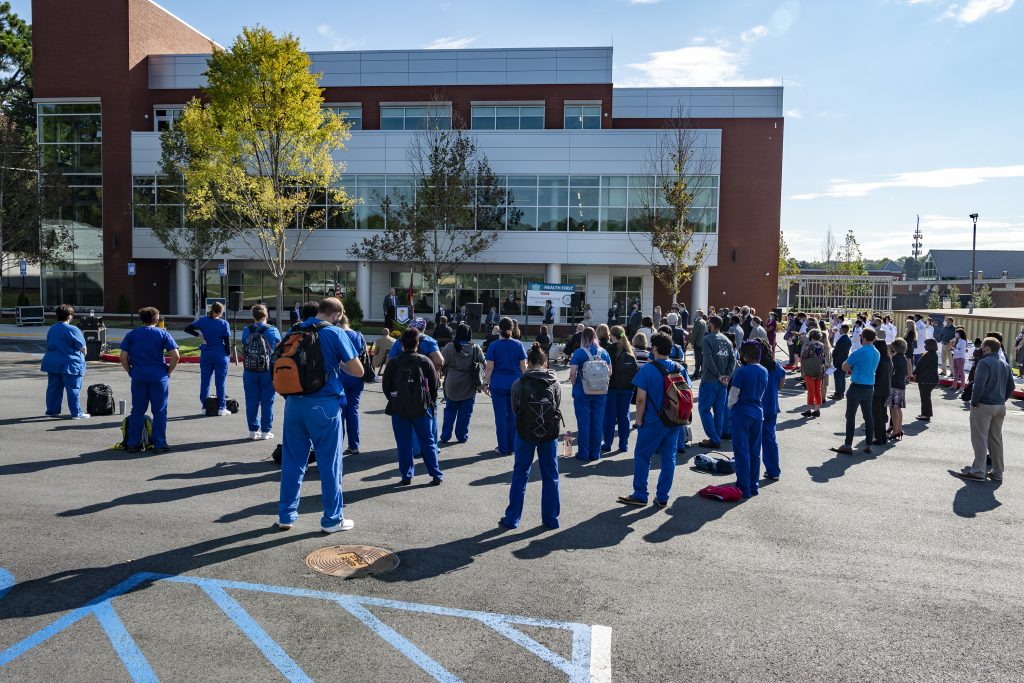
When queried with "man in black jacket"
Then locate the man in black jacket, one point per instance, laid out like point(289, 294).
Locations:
point(442, 312)
point(840, 352)
point(634, 321)
point(400, 384)
point(613, 315)
point(390, 307)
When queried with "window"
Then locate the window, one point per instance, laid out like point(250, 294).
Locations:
point(260, 286)
point(584, 116)
point(353, 114)
point(164, 117)
point(416, 117)
point(625, 293)
point(504, 291)
point(511, 117)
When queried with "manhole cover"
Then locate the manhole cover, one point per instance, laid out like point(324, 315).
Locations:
point(352, 560)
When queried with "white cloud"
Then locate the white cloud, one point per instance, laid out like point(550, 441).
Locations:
point(755, 33)
point(695, 66)
point(450, 43)
point(976, 10)
point(337, 42)
point(938, 178)
point(793, 114)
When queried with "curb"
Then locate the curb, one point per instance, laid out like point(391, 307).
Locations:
point(117, 359)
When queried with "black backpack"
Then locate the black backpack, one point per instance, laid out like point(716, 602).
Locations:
point(211, 406)
point(624, 369)
point(99, 400)
point(412, 388)
point(256, 352)
point(538, 418)
point(278, 455)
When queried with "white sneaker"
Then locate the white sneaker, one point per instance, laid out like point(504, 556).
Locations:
point(223, 412)
point(345, 525)
point(255, 436)
point(267, 436)
point(81, 416)
point(283, 526)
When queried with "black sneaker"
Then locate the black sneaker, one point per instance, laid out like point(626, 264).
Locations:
point(405, 482)
point(350, 451)
point(630, 500)
point(436, 481)
point(162, 449)
point(606, 449)
point(659, 504)
point(806, 413)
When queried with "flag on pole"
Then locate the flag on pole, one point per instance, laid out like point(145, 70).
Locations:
point(411, 305)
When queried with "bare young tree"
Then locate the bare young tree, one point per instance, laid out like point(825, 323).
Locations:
point(673, 209)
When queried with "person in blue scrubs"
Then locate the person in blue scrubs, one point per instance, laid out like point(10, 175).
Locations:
point(463, 380)
point(749, 384)
point(405, 426)
point(429, 348)
point(653, 435)
point(718, 360)
point(64, 364)
point(620, 392)
point(142, 357)
point(315, 421)
point(259, 384)
point(547, 451)
point(353, 387)
point(506, 362)
point(589, 408)
point(213, 355)
point(770, 404)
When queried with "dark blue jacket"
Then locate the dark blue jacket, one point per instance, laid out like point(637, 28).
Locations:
point(841, 351)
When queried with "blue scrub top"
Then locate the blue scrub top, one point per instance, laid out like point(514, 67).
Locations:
point(650, 379)
point(506, 354)
point(752, 381)
point(336, 349)
point(579, 357)
point(427, 346)
point(214, 331)
point(145, 347)
point(64, 343)
point(359, 344)
point(863, 362)
point(770, 400)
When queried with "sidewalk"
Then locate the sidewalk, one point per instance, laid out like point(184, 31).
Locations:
point(38, 333)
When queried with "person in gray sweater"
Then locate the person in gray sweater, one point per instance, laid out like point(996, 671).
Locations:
point(718, 360)
point(993, 387)
point(700, 328)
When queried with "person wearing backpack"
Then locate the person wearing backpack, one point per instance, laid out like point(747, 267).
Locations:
point(590, 371)
point(506, 362)
point(215, 334)
point(311, 355)
point(463, 379)
point(656, 432)
point(746, 393)
point(142, 357)
point(353, 387)
point(428, 347)
point(536, 399)
point(620, 390)
point(64, 364)
point(813, 361)
point(258, 343)
point(410, 385)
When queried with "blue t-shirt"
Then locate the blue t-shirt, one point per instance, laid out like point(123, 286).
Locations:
point(752, 381)
point(506, 354)
point(358, 344)
point(270, 333)
point(770, 400)
point(214, 331)
point(336, 349)
point(650, 379)
point(579, 357)
point(145, 347)
point(427, 346)
point(863, 363)
point(64, 343)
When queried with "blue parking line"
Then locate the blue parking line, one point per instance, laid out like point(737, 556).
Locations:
point(125, 646)
point(6, 582)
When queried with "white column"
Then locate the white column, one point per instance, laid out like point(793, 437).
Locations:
point(363, 288)
point(183, 288)
point(699, 291)
point(553, 273)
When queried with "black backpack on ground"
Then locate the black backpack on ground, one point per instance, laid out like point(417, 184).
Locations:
point(538, 418)
point(99, 400)
point(624, 369)
point(211, 406)
point(278, 455)
point(412, 389)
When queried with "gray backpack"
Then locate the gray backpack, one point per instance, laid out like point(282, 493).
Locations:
point(596, 375)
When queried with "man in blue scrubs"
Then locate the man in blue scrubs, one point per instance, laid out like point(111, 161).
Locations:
point(142, 357)
point(64, 364)
point(213, 355)
point(314, 420)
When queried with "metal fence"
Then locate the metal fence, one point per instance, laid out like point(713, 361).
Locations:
point(821, 293)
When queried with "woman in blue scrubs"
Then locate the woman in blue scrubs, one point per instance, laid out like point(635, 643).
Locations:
point(64, 363)
point(506, 362)
point(259, 384)
point(213, 355)
point(589, 407)
point(770, 404)
point(353, 387)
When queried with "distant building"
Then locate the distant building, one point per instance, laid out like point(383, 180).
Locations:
point(955, 264)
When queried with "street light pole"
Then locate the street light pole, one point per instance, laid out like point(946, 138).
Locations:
point(974, 256)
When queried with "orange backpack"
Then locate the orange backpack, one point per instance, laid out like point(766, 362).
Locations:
point(299, 362)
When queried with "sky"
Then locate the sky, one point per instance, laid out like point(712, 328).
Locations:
point(894, 108)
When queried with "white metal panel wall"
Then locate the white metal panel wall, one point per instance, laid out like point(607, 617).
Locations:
point(726, 103)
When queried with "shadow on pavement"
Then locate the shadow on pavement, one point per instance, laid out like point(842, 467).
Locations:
point(427, 562)
point(83, 459)
point(840, 463)
point(604, 530)
point(687, 515)
point(975, 497)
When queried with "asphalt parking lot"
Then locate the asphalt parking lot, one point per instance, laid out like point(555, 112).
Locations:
point(882, 567)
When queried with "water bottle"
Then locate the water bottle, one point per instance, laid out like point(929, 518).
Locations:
point(567, 444)
point(121, 406)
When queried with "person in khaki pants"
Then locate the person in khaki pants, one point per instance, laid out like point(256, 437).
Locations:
point(993, 386)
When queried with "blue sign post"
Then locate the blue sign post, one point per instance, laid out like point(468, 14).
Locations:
point(222, 269)
point(23, 267)
point(131, 292)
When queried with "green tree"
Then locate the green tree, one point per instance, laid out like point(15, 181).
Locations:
point(16, 68)
point(260, 151)
point(954, 296)
point(911, 266)
point(934, 300)
point(983, 297)
point(449, 217)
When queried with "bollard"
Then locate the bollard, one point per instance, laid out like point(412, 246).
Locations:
point(121, 405)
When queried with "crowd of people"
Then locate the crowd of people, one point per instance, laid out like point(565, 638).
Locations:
point(638, 367)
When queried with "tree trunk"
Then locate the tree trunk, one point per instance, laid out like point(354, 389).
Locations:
point(280, 302)
point(195, 290)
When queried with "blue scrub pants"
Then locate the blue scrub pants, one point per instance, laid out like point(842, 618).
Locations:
point(351, 413)
point(616, 414)
point(746, 452)
point(259, 400)
point(726, 417)
point(456, 416)
point(57, 383)
point(711, 404)
point(504, 420)
point(311, 422)
point(547, 460)
point(213, 364)
point(654, 437)
point(589, 424)
point(404, 429)
point(770, 446)
point(150, 394)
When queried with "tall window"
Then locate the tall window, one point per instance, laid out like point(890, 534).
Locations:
point(626, 292)
point(514, 117)
point(416, 117)
point(164, 117)
point(353, 114)
point(579, 116)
